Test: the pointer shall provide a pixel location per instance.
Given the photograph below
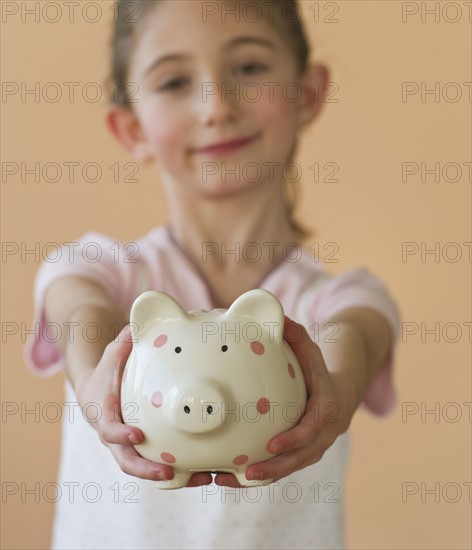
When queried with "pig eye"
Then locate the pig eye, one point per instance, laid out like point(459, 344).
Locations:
point(224, 348)
point(178, 349)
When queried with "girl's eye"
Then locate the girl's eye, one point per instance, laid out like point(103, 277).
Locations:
point(259, 67)
point(172, 84)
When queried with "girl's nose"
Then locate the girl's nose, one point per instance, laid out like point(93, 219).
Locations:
point(220, 102)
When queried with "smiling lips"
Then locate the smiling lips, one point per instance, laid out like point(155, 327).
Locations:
point(226, 147)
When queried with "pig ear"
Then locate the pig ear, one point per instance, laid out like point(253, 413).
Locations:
point(264, 307)
point(153, 306)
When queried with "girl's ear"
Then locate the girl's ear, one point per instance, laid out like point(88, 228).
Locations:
point(314, 89)
point(124, 125)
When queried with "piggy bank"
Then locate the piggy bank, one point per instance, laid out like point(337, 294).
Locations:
point(209, 389)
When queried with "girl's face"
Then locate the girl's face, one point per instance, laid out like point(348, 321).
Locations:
point(206, 79)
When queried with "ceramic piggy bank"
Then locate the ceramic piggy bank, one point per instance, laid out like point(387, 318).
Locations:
point(209, 389)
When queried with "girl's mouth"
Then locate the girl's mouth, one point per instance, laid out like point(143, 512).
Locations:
point(227, 147)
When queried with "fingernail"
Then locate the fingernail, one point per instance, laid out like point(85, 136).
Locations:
point(256, 475)
point(162, 476)
point(277, 448)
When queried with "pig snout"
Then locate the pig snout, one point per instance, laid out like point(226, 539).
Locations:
point(197, 408)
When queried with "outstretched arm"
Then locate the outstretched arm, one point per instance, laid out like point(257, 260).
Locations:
point(365, 339)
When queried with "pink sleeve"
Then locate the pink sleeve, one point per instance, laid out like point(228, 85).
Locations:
point(360, 288)
point(94, 256)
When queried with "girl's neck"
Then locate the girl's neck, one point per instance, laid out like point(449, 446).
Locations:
point(244, 232)
point(235, 241)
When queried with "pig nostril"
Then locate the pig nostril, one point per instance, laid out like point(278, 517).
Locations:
point(209, 409)
point(187, 409)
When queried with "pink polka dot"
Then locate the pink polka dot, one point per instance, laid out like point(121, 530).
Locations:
point(257, 348)
point(160, 340)
point(157, 398)
point(291, 370)
point(167, 457)
point(263, 405)
point(240, 459)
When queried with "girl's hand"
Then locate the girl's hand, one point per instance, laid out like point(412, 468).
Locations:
point(330, 406)
point(103, 387)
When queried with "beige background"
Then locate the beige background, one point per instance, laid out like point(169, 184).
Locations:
point(369, 213)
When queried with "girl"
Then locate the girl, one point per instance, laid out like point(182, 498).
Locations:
point(182, 68)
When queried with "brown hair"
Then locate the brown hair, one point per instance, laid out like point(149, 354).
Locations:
point(284, 15)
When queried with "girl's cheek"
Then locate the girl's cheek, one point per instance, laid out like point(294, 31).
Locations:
point(278, 105)
point(164, 134)
point(276, 113)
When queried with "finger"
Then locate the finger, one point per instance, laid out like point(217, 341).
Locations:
point(117, 351)
point(303, 434)
point(200, 478)
point(133, 464)
point(115, 433)
point(121, 351)
point(227, 480)
point(122, 344)
point(298, 338)
point(116, 354)
point(111, 427)
point(306, 351)
point(284, 464)
point(321, 440)
point(307, 454)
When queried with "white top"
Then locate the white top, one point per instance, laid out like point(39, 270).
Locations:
point(102, 507)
